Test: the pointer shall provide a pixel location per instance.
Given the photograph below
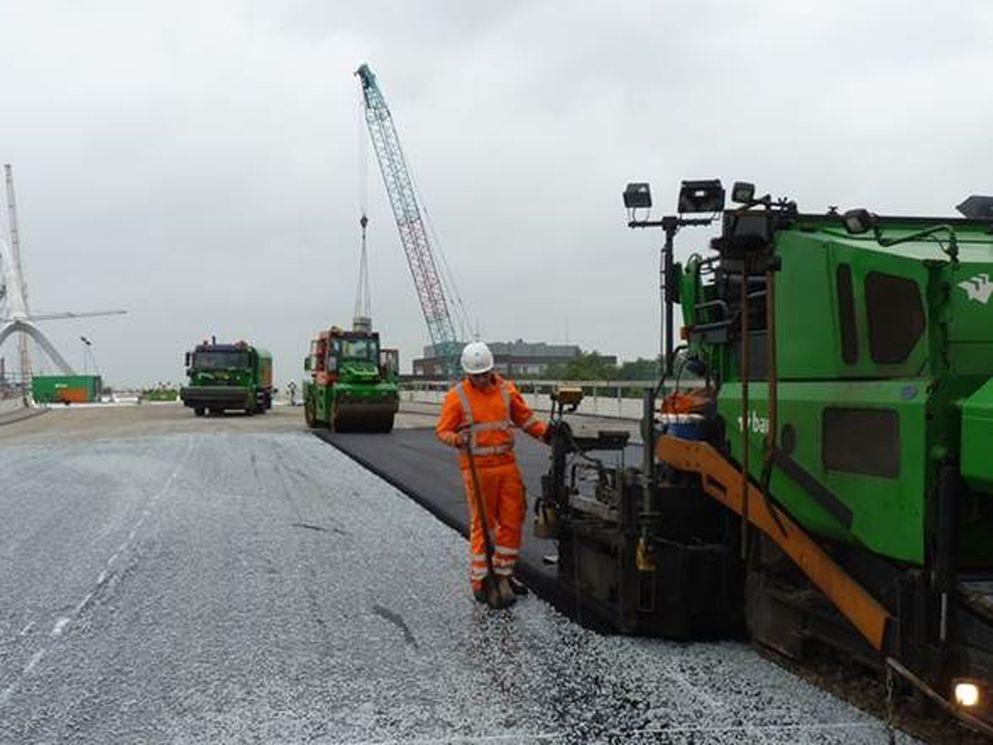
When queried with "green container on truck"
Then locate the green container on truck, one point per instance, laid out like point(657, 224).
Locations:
point(66, 389)
point(228, 376)
point(353, 383)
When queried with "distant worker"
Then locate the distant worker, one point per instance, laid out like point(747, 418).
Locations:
point(477, 415)
point(292, 388)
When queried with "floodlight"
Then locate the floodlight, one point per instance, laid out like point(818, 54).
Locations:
point(977, 207)
point(637, 196)
point(966, 693)
point(858, 221)
point(742, 192)
point(701, 196)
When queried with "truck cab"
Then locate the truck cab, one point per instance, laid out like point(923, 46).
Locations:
point(228, 376)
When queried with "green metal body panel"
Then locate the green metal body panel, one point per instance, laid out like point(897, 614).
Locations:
point(60, 388)
point(934, 391)
point(888, 512)
point(977, 438)
point(243, 386)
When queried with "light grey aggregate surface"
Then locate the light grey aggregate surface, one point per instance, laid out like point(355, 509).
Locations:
point(258, 587)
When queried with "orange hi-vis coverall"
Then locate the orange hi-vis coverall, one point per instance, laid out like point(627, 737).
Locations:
point(487, 417)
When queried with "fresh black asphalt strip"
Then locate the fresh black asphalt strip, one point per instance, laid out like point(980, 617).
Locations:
point(418, 465)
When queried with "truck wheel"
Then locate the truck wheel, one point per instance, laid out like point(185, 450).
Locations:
point(308, 413)
point(215, 412)
point(199, 411)
point(249, 410)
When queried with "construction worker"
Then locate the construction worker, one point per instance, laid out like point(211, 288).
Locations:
point(477, 416)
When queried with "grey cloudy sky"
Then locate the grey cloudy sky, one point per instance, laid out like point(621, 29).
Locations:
point(198, 163)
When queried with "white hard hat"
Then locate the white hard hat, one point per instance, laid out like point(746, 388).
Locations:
point(477, 358)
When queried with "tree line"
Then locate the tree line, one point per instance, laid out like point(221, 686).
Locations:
point(595, 366)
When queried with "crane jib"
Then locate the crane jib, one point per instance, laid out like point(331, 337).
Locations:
point(403, 201)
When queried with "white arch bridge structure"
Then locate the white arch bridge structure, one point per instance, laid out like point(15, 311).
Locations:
point(15, 318)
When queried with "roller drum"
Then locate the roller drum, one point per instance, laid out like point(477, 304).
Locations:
point(356, 416)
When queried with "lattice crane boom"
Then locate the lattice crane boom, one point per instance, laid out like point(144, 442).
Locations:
point(413, 235)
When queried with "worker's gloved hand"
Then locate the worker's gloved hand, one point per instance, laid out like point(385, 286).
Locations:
point(550, 431)
point(461, 439)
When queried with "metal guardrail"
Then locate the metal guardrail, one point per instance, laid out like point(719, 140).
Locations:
point(608, 398)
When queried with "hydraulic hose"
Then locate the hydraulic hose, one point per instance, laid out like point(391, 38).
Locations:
point(772, 373)
point(745, 369)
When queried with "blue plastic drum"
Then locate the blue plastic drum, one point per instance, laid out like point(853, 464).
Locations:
point(684, 426)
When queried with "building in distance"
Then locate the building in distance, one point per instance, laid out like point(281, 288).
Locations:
point(511, 358)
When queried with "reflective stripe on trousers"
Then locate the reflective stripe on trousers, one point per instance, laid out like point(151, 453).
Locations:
point(506, 506)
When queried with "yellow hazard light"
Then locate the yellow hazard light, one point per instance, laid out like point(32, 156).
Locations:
point(966, 694)
point(568, 395)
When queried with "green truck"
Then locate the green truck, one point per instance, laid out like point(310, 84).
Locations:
point(353, 383)
point(228, 376)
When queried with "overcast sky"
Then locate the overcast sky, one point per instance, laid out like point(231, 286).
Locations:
point(198, 163)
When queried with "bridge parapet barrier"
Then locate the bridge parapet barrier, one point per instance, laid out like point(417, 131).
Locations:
point(15, 408)
point(621, 399)
point(10, 404)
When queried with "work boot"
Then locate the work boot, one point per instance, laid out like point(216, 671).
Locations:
point(519, 588)
point(489, 594)
point(506, 592)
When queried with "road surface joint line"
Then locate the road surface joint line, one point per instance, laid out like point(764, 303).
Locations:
point(83, 603)
point(64, 622)
point(33, 662)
